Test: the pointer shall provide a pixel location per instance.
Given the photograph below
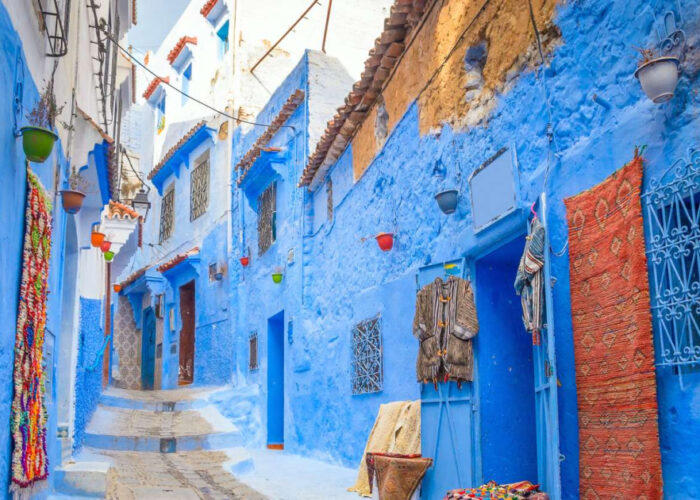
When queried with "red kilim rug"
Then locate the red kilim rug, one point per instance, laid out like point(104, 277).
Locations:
point(618, 432)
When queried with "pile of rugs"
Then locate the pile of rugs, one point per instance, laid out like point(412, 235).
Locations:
point(495, 491)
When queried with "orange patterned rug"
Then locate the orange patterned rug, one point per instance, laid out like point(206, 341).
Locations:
point(617, 411)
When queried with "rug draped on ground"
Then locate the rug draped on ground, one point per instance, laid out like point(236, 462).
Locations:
point(614, 352)
point(28, 418)
point(396, 430)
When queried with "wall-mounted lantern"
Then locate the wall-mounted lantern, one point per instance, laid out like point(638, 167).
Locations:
point(140, 203)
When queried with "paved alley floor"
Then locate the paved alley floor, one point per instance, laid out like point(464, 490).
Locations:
point(190, 475)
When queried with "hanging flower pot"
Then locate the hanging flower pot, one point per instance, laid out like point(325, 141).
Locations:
point(72, 201)
point(277, 275)
point(105, 245)
point(385, 241)
point(96, 238)
point(659, 77)
point(447, 201)
point(117, 287)
point(245, 261)
point(37, 143)
point(108, 255)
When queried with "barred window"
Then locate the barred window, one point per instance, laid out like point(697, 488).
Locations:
point(199, 187)
point(167, 215)
point(329, 194)
point(267, 207)
point(367, 363)
point(253, 351)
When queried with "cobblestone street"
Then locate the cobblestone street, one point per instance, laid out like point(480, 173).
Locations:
point(188, 475)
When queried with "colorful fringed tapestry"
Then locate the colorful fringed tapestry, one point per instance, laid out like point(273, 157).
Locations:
point(28, 419)
point(613, 345)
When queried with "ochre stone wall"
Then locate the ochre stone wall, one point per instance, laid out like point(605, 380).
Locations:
point(449, 89)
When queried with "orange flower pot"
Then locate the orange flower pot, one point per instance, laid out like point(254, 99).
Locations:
point(96, 238)
point(117, 287)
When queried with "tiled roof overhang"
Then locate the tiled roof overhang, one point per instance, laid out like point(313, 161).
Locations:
point(154, 85)
point(175, 51)
point(388, 48)
point(118, 210)
point(94, 124)
point(178, 259)
point(178, 153)
point(254, 153)
point(208, 6)
point(133, 277)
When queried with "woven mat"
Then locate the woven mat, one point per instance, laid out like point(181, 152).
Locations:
point(614, 351)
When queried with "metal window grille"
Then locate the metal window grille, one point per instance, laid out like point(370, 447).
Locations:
point(267, 206)
point(253, 351)
point(367, 364)
point(329, 200)
point(672, 215)
point(199, 189)
point(55, 15)
point(167, 215)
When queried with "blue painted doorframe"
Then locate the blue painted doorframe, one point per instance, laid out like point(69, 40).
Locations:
point(148, 349)
point(275, 380)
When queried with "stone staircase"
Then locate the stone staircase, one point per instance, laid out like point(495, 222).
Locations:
point(153, 444)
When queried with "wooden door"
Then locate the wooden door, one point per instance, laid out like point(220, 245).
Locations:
point(187, 314)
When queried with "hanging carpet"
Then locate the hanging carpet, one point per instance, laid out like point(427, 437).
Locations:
point(28, 417)
point(613, 347)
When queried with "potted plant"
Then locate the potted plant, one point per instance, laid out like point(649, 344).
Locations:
point(385, 241)
point(73, 198)
point(447, 200)
point(658, 75)
point(108, 255)
point(96, 238)
point(105, 245)
point(38, 138)
point(277, 275)
point(245, 260)
point(117, 288)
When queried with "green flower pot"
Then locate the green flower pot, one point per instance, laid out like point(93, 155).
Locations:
point(108, 255)
point(277, 278)
point(37, 143)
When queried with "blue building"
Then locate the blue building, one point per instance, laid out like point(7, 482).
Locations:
point(517, 109)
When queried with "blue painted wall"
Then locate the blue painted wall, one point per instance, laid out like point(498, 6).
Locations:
point(88, 384)
point(339, 277)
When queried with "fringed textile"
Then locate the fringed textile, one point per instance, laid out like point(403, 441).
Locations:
point(28, 418)
point(528, 281)
point(613, 347)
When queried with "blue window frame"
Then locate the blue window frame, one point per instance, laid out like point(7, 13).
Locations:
point(160, 114)
point(222, 34)
point(186, 79)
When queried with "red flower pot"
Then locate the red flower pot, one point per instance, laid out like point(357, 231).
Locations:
point(117, 288)
point(245, 261)
point(385, 241)
point(96, 238)
point(105, 245)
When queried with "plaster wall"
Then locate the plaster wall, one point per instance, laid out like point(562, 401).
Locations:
point(340, 277)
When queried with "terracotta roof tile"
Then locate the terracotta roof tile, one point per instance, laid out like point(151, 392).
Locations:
point(121, 211)
point(208, 6)
point(134, 276)
point(177, 146)
point(388, 47)
point(253, 153)
point(133, 13)
point(175, 51)
point(154, 85)
point(95, 125)
point(177, 260)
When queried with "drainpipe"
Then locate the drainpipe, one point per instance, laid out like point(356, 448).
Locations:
point(108, 322)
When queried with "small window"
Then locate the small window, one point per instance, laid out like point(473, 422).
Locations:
point(160, 114)
point(222, 34)
point(199, 187)
point(167, 215)
point(253, 351)
point(212, 271)
point(367, 363)
point(329, 199)
point(186, 79)
point(267, 206)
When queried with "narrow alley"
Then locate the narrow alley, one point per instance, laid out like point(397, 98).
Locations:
point(342, 249)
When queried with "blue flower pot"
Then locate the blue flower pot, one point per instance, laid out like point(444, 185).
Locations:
point(447, 200)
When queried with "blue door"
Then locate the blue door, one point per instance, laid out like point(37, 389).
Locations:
point(148, 349)
point(447, 416)
point(275, 381)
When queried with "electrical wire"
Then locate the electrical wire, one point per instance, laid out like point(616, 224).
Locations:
point(198, 101)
